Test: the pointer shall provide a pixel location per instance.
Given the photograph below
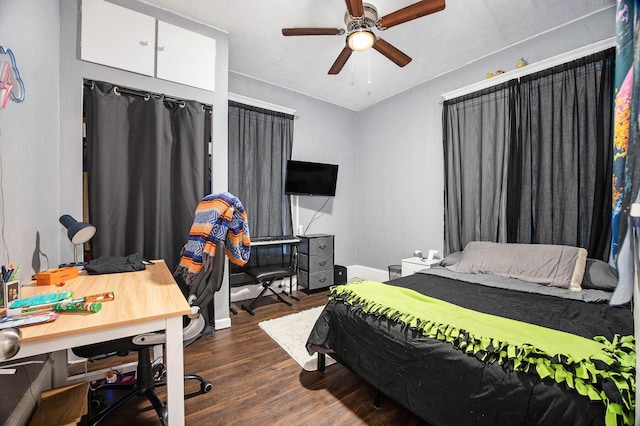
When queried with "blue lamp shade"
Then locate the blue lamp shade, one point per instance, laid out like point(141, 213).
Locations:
point(78, 232)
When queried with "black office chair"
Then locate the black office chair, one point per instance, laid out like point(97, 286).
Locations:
point(147, 376)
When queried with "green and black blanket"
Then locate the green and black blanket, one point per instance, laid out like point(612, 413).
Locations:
point(600, 368)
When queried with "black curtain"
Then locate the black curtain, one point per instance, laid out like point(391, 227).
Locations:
point(147, 169)
point(478, 137)
point(260, 143)
point(565, 141)
point(529, 161)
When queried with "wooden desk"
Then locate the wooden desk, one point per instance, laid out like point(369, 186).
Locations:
point(145, 301)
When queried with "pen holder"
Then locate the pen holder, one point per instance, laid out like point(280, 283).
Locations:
point(10, 292)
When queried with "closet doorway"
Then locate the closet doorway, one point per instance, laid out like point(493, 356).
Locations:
point(146, 166)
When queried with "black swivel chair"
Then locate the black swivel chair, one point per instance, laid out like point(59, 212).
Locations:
point(147, 376)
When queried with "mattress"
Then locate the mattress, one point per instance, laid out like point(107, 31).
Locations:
point(445, 385)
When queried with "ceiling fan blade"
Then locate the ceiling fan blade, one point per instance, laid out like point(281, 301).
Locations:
point(340, 61)
point(355, 8)
point(395, 55)
point(311, 31)
point(409, 13)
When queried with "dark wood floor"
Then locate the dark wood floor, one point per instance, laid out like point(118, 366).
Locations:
point(256, 382)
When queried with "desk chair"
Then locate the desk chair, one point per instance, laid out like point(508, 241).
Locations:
point(147, 376)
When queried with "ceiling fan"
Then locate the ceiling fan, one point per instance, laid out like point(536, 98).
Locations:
point(360, 20)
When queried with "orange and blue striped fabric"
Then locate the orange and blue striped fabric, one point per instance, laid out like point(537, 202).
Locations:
point(219, 218)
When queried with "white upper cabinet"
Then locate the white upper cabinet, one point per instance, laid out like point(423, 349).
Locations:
point(118, 37)
point(122, 38)
point(186, 57)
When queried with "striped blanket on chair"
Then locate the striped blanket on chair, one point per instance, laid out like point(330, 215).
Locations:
point(218, 217)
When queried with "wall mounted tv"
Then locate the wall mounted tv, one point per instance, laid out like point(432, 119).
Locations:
point(306, 178)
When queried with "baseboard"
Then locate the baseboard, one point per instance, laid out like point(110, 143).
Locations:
point(367, 273)
point(251, 291)
point(223, 323)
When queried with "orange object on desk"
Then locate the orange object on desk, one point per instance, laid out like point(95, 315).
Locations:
point(56, 276)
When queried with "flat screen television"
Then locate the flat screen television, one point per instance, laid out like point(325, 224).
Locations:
point(307, 178)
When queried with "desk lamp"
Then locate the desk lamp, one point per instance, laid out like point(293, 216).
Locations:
point(78, 233)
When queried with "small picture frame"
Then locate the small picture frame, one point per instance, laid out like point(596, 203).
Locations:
point(10, 292)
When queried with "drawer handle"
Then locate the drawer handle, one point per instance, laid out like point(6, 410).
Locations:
point(322, 247)
point(322, 263)
point(323, 279)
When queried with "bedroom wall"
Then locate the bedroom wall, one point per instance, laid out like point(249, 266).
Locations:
point(391, 151)
point(40, 139)
point(399, 148)
point(29, 137)
point(73, 71)
point(324, 133)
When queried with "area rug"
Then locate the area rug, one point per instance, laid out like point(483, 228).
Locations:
point(291, 333)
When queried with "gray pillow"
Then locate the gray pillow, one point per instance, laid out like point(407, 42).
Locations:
point(451, 259)
point(599, 275)
point(553, 265)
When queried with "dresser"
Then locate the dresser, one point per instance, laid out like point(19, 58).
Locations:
point(315, 261)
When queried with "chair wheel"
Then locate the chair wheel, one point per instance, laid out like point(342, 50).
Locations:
point(206, 387)
point(164, 416)
point(95, 403)
point(159, 371)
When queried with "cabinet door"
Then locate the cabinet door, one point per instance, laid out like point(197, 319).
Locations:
point(117, 37)
point(186, 57)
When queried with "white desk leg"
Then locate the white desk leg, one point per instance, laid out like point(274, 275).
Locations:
point(174, 361)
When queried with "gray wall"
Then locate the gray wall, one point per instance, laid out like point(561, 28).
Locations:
point(324, 133)
point(389, 200)
point(41, 139)
point(389, 197)
point(400, 157)
point(29, 137)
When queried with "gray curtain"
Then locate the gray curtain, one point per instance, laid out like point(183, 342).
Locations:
point(529, 161)
point(260, 143)
point(147, 169)
point(477, 140)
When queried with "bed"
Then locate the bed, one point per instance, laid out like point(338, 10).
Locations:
point(467, 343)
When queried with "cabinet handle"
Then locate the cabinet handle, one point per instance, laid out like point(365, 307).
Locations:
point(322, 247)
point(143, 43)
point(323, 279)
point(322, 263)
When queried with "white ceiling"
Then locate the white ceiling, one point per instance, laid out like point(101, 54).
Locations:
point(437, 43)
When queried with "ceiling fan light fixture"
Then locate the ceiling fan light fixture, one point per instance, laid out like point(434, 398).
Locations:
point(360, 40)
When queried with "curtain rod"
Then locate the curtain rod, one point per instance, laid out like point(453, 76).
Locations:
point(146, 94)
point(531, 68)
point(261, 104)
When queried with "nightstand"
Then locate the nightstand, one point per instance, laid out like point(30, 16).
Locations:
point(412, 265)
